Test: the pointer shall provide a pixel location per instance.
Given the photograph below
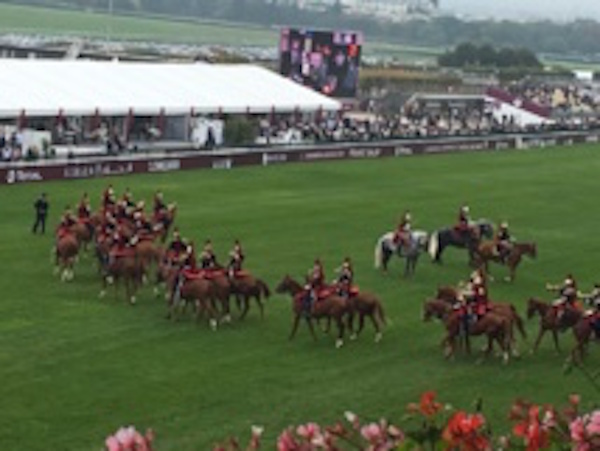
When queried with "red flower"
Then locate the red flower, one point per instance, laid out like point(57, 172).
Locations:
point(463, 432)
point(534, 433)
point(428, 406)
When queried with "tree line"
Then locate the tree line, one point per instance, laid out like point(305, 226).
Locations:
point(487, 56)
point(579, 37)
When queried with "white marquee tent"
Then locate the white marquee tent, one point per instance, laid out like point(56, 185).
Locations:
point(37, 88)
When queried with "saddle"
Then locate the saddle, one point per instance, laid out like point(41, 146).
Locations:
point(121, 253)
point(325, 292)
point(193, 274)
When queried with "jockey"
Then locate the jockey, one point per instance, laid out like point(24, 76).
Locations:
point(504, 242)
point(236, 259)
point(316, 280)
point(159, 203)
point(120, 245)
point(402, 233)
point(177, 245)
point(345, 278)
point(142, 225)
point(66, 221)
point(567, 292)
point(475, 296)
point(108, 197)
point(208, 260)
point(84, 211)
point(464, 220)
point(128, 198)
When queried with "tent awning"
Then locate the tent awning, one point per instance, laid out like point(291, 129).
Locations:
point(49, 88)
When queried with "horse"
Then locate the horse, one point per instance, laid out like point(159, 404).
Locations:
point(386, 247)
point(494, 326)
point(247, 286)
point(127, 267)
point(65, 252)
point(486, 252)
point(366, 304)
point(440, 239)
point(84, 232)
point(332, 307)
point(583, 330)
point(509, 311)
point(549, 320)
point(149, 253)
point(196, 290)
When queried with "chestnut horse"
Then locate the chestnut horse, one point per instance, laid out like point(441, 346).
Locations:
point(65, 254)
point(494, 326)
point(198, 291)
point(84, 232)
point(486, 252)
point(333, 307)
point(583, 330)
point(127, 267)
point(246, 287)
point(549, 320)
point(366, 304)
point(164, 223)
point(506, 309)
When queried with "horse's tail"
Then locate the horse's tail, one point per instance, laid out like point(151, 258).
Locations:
point(264, 288)
point(519, 322)
point(434, 244)
point(380, 313)
point(378, 252)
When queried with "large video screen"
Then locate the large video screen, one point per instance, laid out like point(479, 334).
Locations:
point(326, 61)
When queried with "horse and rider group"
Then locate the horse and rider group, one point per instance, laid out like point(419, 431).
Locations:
point(467, 309)
point(129, 243)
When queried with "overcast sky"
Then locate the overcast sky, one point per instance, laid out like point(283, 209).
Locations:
point(559, 10)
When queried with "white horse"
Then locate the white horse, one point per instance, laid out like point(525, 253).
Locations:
point(386, 247)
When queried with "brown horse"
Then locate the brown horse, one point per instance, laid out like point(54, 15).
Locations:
point(549, 320)
point(366, 304)
point(198, 291)
point(493, 326)
point(583, 330)
point(66, 250)
point(486, 252)
point(449, 294)
point(128, 268)
point(247, 287)
point(333, 307)
point(149, 253)
point(83, 232)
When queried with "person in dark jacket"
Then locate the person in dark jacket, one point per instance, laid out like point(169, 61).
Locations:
point(41, 213)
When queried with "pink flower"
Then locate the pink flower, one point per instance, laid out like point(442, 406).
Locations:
point(112, 444)
point(286, 441)
point(373, 433)
point(577, 430)
point(593, 427)
point(308, 431)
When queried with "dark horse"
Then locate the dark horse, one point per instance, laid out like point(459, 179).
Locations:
point(440, 239)
point(386, 248)
point(333, 307)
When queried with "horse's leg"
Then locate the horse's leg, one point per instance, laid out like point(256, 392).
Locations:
point(311, 327)
point(555, 338)
point(541, 333)
point(340, 324)
point(378, 335)
point(295, 325)
point(361, 323)
point(353, 335)
point(246, 304)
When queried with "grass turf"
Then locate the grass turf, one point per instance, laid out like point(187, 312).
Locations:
point(74, 368)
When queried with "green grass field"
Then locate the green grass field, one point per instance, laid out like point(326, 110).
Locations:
point(74, 368)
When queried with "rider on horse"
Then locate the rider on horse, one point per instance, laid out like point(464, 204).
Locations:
point(159, 204)
point(108, 197)
point(84, 211)
point(236, 258)
point(128, 198)
point(568, 295)
point(316, 280)
point(66, 221)
point(345, 278)
point(463, 225)
point(474, 299)
point(593, 300)
point(504, 242)
point(208, 260)
point(142, 225)
point(177, 246)
point(402, 233)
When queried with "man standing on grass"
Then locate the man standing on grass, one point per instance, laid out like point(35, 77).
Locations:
point(41, 212)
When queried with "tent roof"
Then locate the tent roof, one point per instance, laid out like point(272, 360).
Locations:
point(45, 88)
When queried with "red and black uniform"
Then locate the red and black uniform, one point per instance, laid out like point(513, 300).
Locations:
point(159, 205)
point(462, 224)
point(208, 260)
point(108, 199)
point(401, 233)
point(120, 245)
point(177, 247)
point(66, 222)
point(317, 276)
point(345, 279)
point(503, 242)
point(84, 212)
point(236, 259)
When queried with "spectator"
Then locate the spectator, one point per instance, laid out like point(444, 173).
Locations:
point(41, 212)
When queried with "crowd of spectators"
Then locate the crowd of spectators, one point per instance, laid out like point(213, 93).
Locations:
point(563, 98)
point(11, 144)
